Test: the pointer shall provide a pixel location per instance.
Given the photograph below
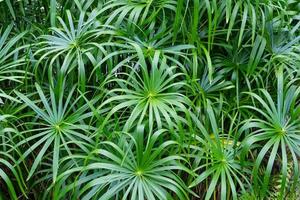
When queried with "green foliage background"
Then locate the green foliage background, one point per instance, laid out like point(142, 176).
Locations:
point(149, 99)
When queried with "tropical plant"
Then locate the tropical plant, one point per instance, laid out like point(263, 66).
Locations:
point(59, 125)
point(277, 130)
point(217, 158)
point(132, 168)
point(149, 99)
point(152, 96)
point(72, 46)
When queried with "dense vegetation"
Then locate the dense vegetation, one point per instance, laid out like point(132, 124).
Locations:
point(149, 99)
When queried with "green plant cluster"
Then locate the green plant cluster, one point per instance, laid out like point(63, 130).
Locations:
point(149, 99)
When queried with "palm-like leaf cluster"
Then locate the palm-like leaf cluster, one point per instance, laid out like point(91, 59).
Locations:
point(149, 99)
